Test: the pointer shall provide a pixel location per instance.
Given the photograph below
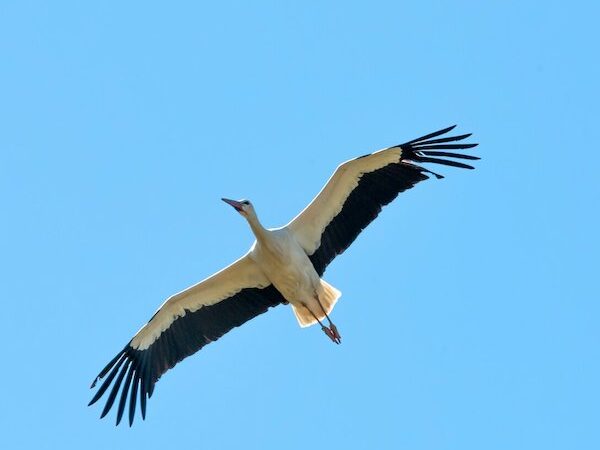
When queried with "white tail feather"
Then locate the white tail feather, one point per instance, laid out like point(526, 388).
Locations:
point(328, 298)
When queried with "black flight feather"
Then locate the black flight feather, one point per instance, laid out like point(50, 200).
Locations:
point(443, 146)
point(115, 389)
point(133, 398)
point(124, 393)
point(449, 139)
point(431, 135)
point(108, 380)
point(450, 155)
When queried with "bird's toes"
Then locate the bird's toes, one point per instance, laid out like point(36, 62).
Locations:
point(330, 334)
point(335, 332)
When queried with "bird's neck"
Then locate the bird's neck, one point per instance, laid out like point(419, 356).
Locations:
point(259, 231)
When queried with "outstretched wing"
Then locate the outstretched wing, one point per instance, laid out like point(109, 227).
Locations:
point(184, 324)
point(359, 188)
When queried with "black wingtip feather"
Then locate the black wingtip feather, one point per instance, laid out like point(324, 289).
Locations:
point(432, 135)
point(449, 139)
point(449, 155)
point(115, 390)
point(124, 393)
point(107, 368)
point(445, 162)
point(133, 398)
point(426, 150)
point(143, 397)
point(108, 380)
point(426, 146)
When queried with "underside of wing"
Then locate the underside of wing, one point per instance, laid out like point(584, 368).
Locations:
point(355, 194)
point(183, 325)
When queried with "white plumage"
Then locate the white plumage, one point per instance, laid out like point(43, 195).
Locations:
point(284, 265)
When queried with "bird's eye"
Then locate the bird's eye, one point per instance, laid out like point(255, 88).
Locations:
point(246, 202)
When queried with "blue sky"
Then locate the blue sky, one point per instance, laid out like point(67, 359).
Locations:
point(470, 307)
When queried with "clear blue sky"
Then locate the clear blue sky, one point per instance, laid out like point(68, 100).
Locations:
point(471, 306)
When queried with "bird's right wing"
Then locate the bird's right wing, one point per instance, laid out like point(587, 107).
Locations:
point(359, 188)
point(184, 324)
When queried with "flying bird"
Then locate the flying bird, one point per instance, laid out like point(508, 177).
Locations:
point(283, 266)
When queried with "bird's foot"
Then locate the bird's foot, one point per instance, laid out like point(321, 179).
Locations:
point(336, 333)
point(332, 334)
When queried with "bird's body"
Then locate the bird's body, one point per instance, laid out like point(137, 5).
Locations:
point(284, 265)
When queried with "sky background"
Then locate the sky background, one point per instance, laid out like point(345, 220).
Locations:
point(470, 308)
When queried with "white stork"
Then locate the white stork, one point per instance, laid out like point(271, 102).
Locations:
point(284, 265)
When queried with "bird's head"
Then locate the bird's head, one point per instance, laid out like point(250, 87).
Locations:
point(244, 207)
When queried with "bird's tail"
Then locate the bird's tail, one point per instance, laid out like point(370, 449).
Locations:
point(328, 298)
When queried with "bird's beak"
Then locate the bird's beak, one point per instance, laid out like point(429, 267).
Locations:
point(236, 205)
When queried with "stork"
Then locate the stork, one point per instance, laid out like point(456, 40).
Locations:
point(283, 266)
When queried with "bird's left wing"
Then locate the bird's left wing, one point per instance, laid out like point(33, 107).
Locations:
point(359, 188)
point(184, 324)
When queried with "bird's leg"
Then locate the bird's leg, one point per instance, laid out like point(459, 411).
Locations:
point(330, 334)
point(337, 336)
